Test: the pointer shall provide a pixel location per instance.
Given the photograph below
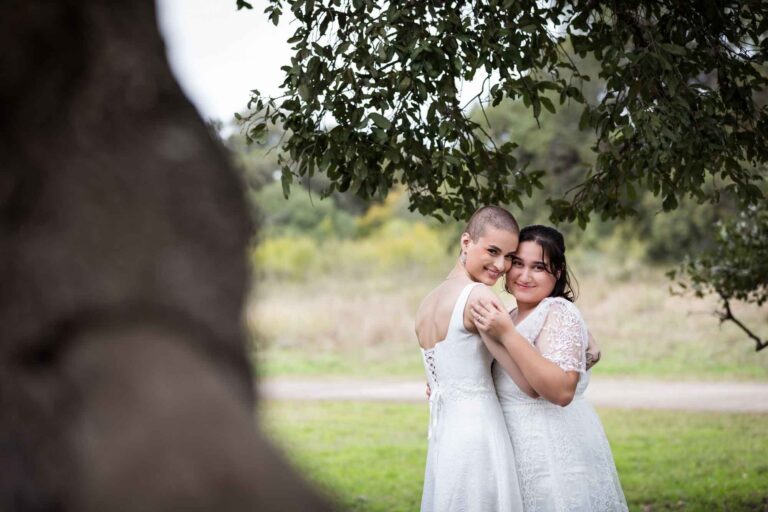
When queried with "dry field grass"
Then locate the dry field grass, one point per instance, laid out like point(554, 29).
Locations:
point(365, 328)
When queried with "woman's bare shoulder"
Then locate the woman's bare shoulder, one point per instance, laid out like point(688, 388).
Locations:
point(482, 292)
point(434, 312)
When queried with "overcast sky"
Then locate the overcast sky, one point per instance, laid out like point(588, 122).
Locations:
point(219, 53)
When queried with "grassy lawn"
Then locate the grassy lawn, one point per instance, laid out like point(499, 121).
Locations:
point(370, 456)
point(365, 328)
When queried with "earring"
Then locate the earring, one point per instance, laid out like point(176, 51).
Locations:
point(463, 258)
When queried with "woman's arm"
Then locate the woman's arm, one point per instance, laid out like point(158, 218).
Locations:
point(545, 377)
point(497, 350)
point(503, 358)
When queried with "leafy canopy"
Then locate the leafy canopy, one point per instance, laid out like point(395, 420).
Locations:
point(372, 98)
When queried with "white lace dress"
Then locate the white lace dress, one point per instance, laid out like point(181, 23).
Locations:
point(564, 461)
point(470, 463)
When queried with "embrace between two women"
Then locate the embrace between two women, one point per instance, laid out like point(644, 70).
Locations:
point(509, 427)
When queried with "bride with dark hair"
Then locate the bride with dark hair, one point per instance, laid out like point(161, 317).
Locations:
point(563, 459)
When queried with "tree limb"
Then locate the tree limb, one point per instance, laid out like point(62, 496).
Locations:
point(760, 344)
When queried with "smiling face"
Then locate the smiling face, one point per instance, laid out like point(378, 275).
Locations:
point(530, 279)
point(488, 258)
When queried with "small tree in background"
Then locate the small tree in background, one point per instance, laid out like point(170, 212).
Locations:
point(735, 269)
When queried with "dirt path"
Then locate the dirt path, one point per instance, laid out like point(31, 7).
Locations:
point(602, 392)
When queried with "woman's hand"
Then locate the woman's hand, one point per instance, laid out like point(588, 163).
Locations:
point(593, 351)
point(491, 319)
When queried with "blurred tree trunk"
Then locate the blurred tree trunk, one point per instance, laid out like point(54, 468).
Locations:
point(124, 377)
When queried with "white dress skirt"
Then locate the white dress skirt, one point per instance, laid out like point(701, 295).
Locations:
point(470, 463)
point(564, 462)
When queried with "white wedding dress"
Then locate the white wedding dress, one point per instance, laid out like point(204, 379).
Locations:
point(470, 462)
point(564, 461)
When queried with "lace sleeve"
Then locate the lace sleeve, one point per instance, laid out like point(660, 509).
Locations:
point(562, 339)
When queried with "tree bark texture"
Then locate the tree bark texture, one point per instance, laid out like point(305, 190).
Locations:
point(124, 376)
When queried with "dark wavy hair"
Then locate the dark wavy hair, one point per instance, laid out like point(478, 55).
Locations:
point(552, 245)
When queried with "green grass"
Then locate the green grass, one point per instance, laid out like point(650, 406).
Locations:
point(690, 461)
point(367, 457)
point(370, 456)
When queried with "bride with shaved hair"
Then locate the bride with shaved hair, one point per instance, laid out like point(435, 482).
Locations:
point(470, 461)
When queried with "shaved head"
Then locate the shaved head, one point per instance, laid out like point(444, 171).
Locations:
point(494, 216)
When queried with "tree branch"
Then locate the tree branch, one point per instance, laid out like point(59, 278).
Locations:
point(728, 316)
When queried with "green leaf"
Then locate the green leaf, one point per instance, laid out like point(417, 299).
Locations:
point(379, 120)
point(669, 203)
point(257, 131)
point(547, 103)
point(285, 180)
point(275, 16)
point(536, 106)
point(675, 49)
point(304, 92)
